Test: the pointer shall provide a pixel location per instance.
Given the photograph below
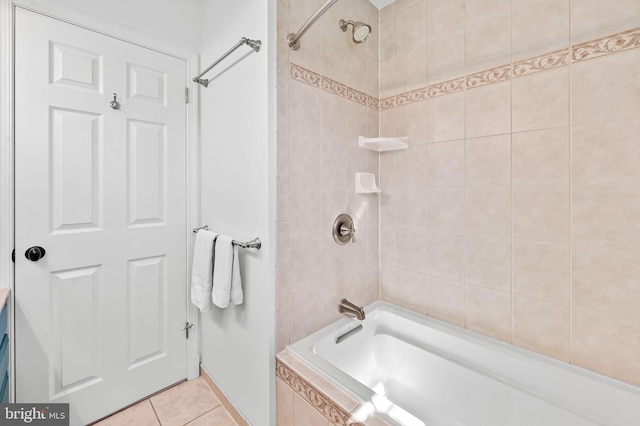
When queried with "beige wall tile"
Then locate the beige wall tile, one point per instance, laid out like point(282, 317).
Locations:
point(388, 245)
point(334, 117)
point(334, 55)
point(446, 255)
point(446, 300)
point(411, 66)
point(606, 281)
point(411, 208)
point(487, 34)
point(606, 217)
point(541, 214)
point(282, 330)
point(412, 249)
point(446, 56)
point(488, 110)
point(541, 158)
point(606, 343)
point(411, 121)
point(304, 109)
point(388, 169)
point(541, 270)
point(388, 12)
point(446, 118)
point(306, 159)
point(302, 324)
point(387, 36)
point(305, 414)
point(411, 24)
point(488, 262)
point(606, 88)
point(488, 311)
point(283, 249)
point(414, 291)
point(446, 163)
point(331, 292)
point(446, 209)
point(373, 248)
point(541, 326)
point(283, 155)
point(387, 77)
point(412, 167)
point(388, 284)
point(596, 18)
point(284, 408)
point(541, 100)
point(388, 205)
point(443, 16)
point(306, 206)
point(539, 26)
point(282, 103)
point(488, 161)
point(283, 287)
point(402, 5)
point(283, 199)
point(488, 212)
point(606, 153)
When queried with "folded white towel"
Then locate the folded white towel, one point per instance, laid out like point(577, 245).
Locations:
point(222, 271)
point(236, 280)
point(202, 270)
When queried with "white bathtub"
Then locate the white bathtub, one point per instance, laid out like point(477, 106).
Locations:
point(420, 371)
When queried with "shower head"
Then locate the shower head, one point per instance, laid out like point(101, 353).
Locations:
point(360, 30)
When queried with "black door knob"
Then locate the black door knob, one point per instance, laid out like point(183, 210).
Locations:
point(34, 253)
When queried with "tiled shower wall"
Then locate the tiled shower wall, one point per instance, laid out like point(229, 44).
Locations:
point(318, 127)
point(516, 211)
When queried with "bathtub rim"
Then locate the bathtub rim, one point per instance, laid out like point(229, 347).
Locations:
point(303, 350)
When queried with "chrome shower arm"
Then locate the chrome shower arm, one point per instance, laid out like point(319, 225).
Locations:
point(294, 39)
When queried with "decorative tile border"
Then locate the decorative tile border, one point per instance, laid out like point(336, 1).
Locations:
point(493, 75)
point(544, 62)
point(322, 403)
point(606, 45)
point(311, 78)
point(318, 400)
point(581, 52)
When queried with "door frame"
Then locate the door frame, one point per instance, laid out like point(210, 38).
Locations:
point(7, 141)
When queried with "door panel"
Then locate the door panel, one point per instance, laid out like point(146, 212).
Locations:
point(99, 318)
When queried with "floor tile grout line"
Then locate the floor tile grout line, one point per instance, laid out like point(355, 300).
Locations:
point(154, 411)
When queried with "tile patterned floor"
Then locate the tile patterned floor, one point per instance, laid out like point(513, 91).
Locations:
point(191, 403)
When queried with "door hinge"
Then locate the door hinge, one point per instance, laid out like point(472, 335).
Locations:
point(186, 328)
point(186, 95)
point(13, 256)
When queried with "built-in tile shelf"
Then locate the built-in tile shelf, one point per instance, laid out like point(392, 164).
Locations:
point(384, 144)
point(366, 183)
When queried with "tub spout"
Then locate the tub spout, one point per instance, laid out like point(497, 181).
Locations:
point(349, 309)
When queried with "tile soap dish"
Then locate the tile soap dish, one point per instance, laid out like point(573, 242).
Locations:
point(384, 144)
point(366, 183)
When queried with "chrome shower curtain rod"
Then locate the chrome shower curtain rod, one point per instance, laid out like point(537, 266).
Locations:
point(294, 39)
point(254, 44)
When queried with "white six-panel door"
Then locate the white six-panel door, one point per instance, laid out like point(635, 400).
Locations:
point(102, 190)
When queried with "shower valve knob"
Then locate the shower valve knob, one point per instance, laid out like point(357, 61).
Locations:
point(35, 253)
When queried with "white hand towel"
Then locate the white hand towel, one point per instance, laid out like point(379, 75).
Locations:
point(222, 271)
point(202, 270)
point(236, 280)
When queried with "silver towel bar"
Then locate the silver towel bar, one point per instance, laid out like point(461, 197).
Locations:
point(254, 44)
point(255, 243)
